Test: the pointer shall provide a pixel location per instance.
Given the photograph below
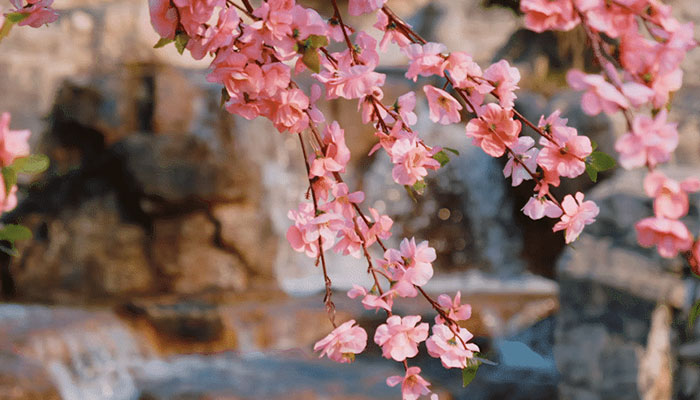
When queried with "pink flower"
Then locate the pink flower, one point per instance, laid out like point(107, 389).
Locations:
point(380, 227)
point(455, 310)
point(163, 17)
point(371, 301)
point(308, 229)
point(351, 82)
point(607, 17)
point(426, 60)
point(275, 22)
point(526, 160)
point(215, 37)
point(669, 235)
point(417, 259)
point(195, 13)
point(411, 161)
point(8, 201)
point(600, 95)
point(243, 81)
point(349, 242)
point(444, 109)
point(506, 79)
point(343, 343)
point(464, 71)
point(289, 114)
point(670, 197)
point(405, 105)
point(399, 337)
point(651, 141)
point(636, 93)
point(337, 152)
point(567, 155)
point(494, 130)
point(538, 207)
point(13, 144)
point(412, 384)
point(391, 32)
point(307, 22)
point(545, 15)
point(344, 200)
point(359, 7)
point(39, 12)
point(577, 214)
point(453, 350)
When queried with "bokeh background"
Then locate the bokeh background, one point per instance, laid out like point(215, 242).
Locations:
point(159, 268)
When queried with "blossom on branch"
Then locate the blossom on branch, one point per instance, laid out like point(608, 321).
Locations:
point(343, 343)
point(412, 384)
point(495, 130)
point(451, 348)
point(577, 214)
point(399, 337)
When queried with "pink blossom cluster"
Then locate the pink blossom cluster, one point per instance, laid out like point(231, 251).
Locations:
point(259, 50)
point(13, 145)
point(649, 49)
point(36, 12)
point(665, 230)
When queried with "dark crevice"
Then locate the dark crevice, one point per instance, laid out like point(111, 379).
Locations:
point(219, 243)
point(145, 102)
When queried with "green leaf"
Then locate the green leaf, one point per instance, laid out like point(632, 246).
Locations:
point(312, 60)
point(316, 41)
point(12, 233)
point(16, 17)
point(162, 43)
point(181, 40)
point(601, 161)
point(9, 175)
point(412, 195)
point(693, 316)
point(442, 158)
point(419, 187)
point(594, 145)
point(6, 28)
point(32, 164)
point(469, 373)
point(592, 172)
point(451, 150)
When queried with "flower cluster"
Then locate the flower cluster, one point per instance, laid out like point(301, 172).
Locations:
point(650, 45)
point(258, 51)
point(664, 230)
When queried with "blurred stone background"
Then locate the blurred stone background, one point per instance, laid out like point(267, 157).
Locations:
point(159, 267)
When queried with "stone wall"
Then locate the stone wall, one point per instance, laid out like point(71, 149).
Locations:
point(621, 329)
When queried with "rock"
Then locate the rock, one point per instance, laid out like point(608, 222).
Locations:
point(77, 257)
point(185, 251)
point(616, 302)
point(180, 325)
point(244, 231)
point(655, 368)
point(184, 171)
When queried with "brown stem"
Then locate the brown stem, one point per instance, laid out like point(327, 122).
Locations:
point(330, 306)
point(343, 28)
